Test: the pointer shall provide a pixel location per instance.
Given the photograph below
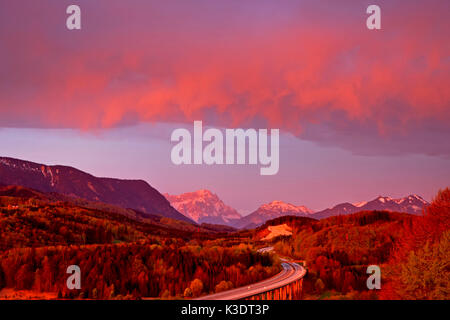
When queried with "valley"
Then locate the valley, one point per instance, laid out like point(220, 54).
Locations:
point(280, 251)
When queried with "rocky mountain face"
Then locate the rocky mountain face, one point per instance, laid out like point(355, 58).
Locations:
point(203, 206)
point(134, 194)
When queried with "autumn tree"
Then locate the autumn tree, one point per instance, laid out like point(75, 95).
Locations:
point(187, 293)
point(196, 287)
point(319, 285)
point(425, 274)
point(223, 286)
point(420, 265)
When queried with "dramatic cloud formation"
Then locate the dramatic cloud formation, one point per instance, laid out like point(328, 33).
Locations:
point(308, 68)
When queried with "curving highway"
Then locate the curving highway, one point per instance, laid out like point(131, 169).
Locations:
point(291, 272)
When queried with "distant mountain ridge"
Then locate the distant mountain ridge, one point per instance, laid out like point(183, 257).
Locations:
point(134, 194)
point(412, 204)
point(203, 206)
point(271, 211)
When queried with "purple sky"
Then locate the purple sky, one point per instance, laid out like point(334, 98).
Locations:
point(362, 113)
point(310, 175)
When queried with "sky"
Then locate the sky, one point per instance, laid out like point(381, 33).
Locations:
point(361, 112)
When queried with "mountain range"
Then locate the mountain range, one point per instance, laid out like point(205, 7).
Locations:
point(133, 194)
point(204, 206)
point(411, 204)
point(201, 206)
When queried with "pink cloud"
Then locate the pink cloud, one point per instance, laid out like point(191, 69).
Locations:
point(291, 73)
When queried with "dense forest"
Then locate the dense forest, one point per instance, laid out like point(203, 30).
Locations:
point(134, 270)
point(125, 255)
point(119, 257)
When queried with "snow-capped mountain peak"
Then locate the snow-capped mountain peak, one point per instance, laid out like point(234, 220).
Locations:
point(360, 204)
point(412, 204)
point(415, 197)
point(383, 199)
point(283, 207)
point(270, 211)
point(203, 206)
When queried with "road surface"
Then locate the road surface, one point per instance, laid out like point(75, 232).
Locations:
point(291, 272)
